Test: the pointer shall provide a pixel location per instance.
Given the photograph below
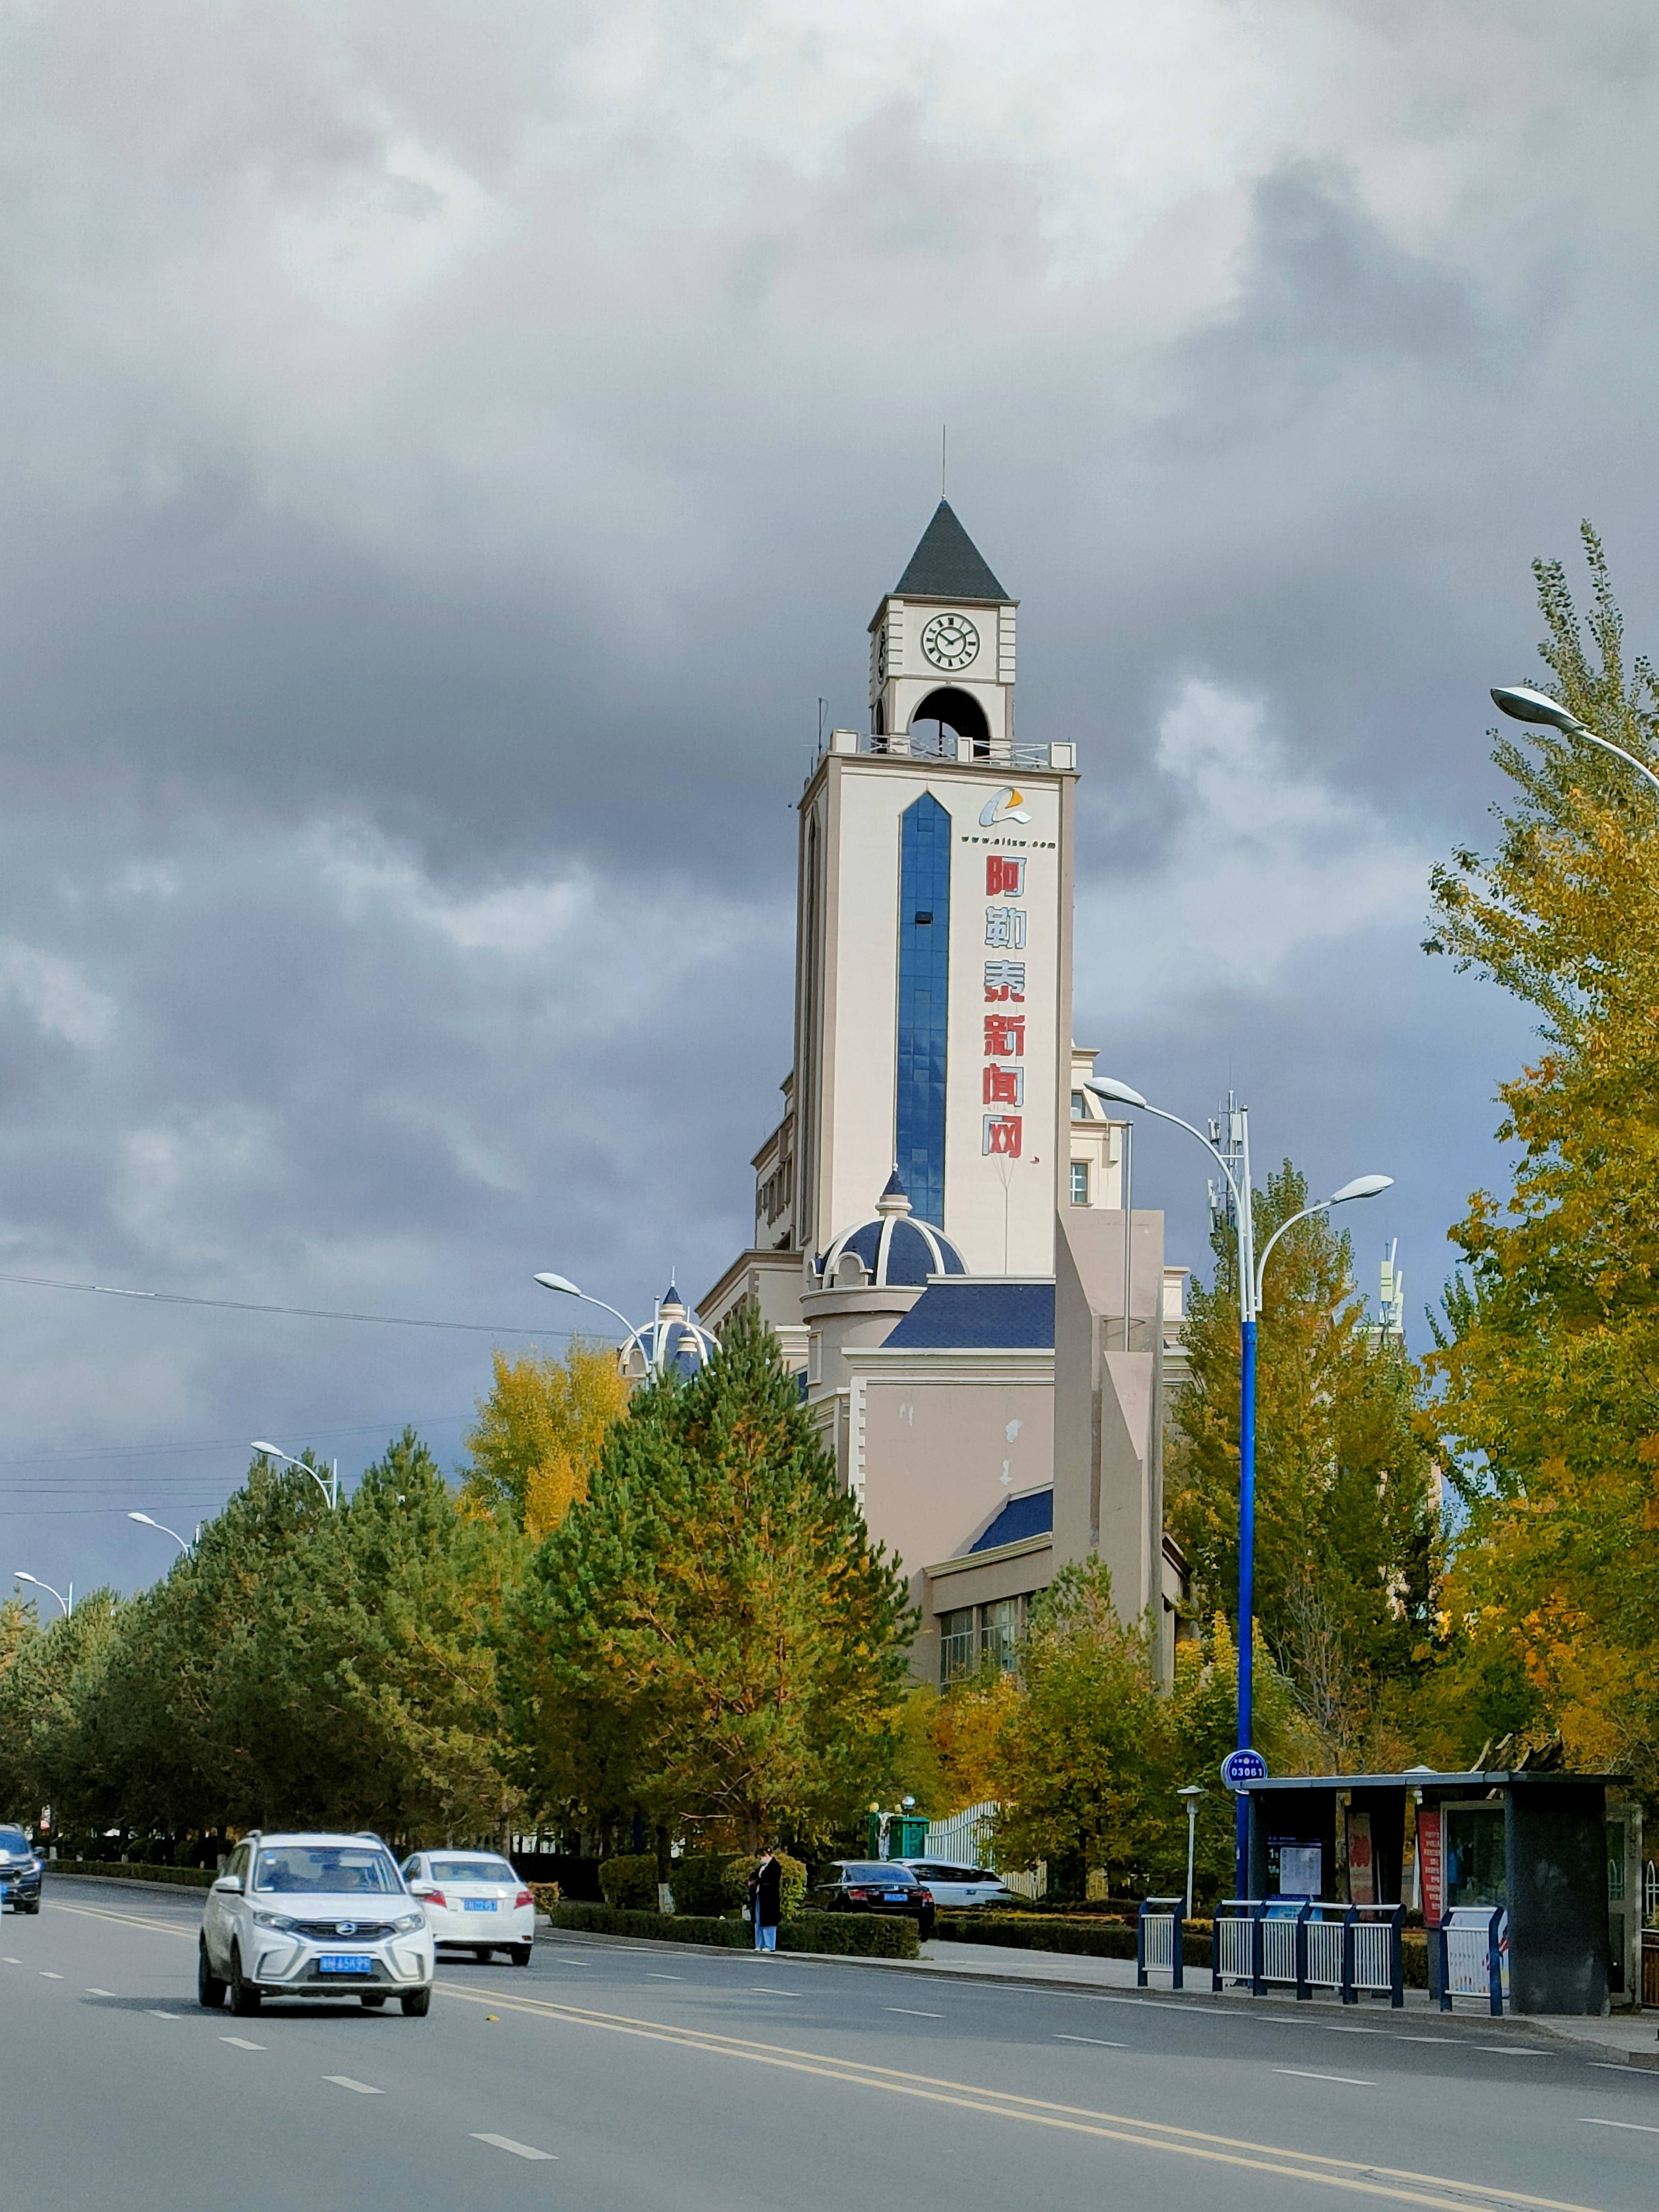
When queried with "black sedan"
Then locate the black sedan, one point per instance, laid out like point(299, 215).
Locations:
point(874, 1885)
point(20, 1873)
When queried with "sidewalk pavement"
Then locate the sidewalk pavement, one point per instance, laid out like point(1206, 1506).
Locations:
point(1633, 2037)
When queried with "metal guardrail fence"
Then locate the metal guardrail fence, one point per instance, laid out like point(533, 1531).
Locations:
point(1157, 1941)
point(1353, 1950)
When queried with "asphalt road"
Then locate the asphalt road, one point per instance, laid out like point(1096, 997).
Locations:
point(638, 2078)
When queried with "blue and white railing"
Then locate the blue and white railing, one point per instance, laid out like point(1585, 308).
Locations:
point(1272, 1942)
point(1157, 1941)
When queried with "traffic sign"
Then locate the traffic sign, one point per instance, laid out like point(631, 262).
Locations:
point(1244, 1766)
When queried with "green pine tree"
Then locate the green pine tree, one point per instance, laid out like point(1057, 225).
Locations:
point(711, 1632)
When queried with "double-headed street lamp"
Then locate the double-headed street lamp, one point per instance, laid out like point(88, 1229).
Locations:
point(67, 1603)
point(333, 1494)
point(144, 1521)
point(1250, 1274)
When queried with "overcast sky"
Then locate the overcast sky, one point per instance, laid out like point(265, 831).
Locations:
point(448, 447)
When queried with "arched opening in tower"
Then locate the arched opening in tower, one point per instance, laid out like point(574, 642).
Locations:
point(944, 716)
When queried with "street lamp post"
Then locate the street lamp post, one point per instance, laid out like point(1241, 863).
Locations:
point(1191, 1795)
point(67, 1603)
point(144, 1521)
point(332, 1495)
point(1249, 1303)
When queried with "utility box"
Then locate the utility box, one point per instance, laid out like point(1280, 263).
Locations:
point(896, 1835)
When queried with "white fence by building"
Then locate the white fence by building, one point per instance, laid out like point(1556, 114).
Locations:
point(969, 1838)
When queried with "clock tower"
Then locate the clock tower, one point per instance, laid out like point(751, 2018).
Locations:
point(942, 644)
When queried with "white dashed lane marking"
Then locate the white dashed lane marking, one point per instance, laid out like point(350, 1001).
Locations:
point(1508, 2050)
point(345, 2082)
point(910, 2012)
point(1635, 2127)
point(46, 1975)
point(6, 1958)
point(518, 2149)
point(100, 1993)
point(241, 2042)
point(152, 2013)
point(1348, 2080)
point(1099, 2041)
point(664, 1978)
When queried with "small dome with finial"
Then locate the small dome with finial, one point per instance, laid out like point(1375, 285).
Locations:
point(675, 1338)
point(895, 1249)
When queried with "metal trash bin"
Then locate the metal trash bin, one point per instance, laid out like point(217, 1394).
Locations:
point(1469, 1945)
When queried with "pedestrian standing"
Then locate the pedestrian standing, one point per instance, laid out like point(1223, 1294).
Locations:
point(766, 1900)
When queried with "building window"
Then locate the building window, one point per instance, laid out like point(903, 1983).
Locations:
point(955, 1645)
point(923, 1004)
point(998, 1633)
point(1080, 1182)
point(1079, 1106)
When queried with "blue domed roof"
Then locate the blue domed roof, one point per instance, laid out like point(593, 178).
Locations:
point(673, 1339)
point(895, 1249)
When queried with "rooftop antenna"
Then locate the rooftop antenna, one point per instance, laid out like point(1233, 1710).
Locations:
point(943, 429)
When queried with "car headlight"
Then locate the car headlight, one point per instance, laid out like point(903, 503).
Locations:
point(409, 1923)
point(279, 1920)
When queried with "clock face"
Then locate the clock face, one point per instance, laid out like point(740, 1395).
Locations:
point(950, 641)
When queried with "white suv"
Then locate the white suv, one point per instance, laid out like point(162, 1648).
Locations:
point(313, 1915)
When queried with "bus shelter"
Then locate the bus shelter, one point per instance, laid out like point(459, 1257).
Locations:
point(1557, 1854)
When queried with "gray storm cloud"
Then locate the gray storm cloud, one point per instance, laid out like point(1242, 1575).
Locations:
point(447, 454)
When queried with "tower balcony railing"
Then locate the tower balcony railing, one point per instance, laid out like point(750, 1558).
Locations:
point(946, 745)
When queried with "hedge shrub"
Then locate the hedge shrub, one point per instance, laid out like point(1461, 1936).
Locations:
point(630, 1881)
point(131, 1870)
point(847, 1934)
point(717, 1882)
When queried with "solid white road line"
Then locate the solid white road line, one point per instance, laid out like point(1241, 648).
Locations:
point(345, 2082)
point(1099, 2041)
point(1348, 2080)
point(241, 2042)
point(1635, 2127)
point(518, 2149)
point(910, 2012)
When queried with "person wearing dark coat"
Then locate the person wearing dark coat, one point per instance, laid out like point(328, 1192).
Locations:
point(766, 1901)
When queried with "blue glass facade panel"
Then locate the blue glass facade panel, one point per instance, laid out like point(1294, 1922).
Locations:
point(924, 979)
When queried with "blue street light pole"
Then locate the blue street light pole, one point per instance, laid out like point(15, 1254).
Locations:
point(1235, 1165)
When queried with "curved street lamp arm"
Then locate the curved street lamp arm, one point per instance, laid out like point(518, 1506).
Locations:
point(1249, 1298)
point(1306, 1214)
point(587, 1299)
point(1608, 746)
point(272, 1452)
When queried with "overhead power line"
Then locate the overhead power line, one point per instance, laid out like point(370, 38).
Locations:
point(302, 1313)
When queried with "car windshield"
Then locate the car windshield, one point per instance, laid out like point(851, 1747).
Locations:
point(895, 1877)
point(326, 1869)
point(471, 1870)
point(13, 1839)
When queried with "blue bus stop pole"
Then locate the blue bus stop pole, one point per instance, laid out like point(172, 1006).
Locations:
point(1246, 1588)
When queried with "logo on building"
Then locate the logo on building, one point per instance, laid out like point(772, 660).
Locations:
point(1006, 806)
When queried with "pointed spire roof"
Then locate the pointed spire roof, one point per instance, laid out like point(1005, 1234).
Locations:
point(948, 565)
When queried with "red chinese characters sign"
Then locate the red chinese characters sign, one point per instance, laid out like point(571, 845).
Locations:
point(1003, 1080)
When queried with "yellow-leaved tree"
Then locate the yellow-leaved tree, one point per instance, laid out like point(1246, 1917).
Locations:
point(540, 1433)
point(1548, 1361)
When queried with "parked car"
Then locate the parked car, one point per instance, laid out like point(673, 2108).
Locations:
point(474, 1899)
point(874, 1885)
point(955, 1887)
point(20, 1873)
point(313, 1915)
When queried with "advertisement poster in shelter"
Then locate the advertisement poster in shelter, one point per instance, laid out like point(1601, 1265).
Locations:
point(1432, 1861)
point(1362, 1865)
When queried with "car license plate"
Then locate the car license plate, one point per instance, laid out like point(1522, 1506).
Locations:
point(478, 1904)
point(894, 1896)
point(345, 1962)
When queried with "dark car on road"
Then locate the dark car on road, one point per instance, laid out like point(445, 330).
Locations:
point(20, 1873)
point(874, 1885)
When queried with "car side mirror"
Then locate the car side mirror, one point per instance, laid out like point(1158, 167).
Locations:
point(230, 1885)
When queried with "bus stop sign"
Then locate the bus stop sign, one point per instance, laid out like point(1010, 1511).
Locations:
point(1244, 1766)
